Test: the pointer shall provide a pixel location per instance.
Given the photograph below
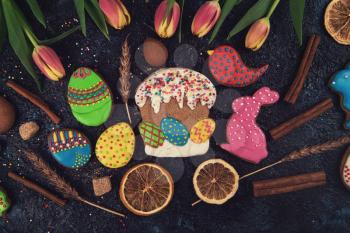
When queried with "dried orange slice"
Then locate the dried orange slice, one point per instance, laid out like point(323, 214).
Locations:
point(337, 20)
point(215, 181)
point(146, 189)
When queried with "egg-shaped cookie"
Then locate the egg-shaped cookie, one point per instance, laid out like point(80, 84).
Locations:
point(174, 131)
point(202, 130)
point(116, 145)
point(89, 97)
point(151, 134)
point(69, 147)
point(5, 202)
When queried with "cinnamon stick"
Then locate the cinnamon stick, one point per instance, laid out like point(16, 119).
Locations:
point(288, 126)
point(288, 184)
point(34, 100)
point(35, 187)
point(304, 68)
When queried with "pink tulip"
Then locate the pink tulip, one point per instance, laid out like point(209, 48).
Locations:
point(205, 18)
point(257, 34)
point(48, 62)
point(166, 27)
point(115, 12)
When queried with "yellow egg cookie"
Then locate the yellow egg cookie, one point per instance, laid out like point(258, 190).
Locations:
point(116, 145)
point(202, 130)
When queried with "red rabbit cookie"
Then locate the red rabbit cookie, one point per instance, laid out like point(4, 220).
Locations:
point(227, 67)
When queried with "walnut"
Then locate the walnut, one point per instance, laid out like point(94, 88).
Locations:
point(102, 185)
point(28, 130)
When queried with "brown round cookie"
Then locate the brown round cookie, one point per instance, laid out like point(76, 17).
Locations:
point(155, 52)
point(7, 115)
point(172, 109)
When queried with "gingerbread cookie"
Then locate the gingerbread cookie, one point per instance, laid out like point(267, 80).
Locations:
point(227, 67)
point(345, 169)
point(245, 138)
point(69, 147)
point(5, 202)
point(174, 105)
point(89, 97)
point(340, 83)
point(116, 145)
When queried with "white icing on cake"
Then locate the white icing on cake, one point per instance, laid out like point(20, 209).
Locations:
point(170, 150)
point(177, 83)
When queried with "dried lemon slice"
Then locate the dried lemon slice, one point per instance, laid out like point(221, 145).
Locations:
point(337, 20)
point(215, 181)
point(146, 189)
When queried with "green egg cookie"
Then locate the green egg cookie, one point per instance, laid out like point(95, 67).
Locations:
point(89, 97)
point(4, 202)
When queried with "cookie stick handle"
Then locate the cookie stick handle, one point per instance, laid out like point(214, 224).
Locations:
point(101, 207)
point(34, 100)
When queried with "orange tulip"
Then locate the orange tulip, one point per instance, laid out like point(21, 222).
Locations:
point(48, 62)
point(205, 18)
point(257, 34)
point(166, 28)
point(115, 13)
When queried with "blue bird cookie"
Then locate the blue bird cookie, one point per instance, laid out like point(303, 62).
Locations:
point(340, 83)
point(69, 147)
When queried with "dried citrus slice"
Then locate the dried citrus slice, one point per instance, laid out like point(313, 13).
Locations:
point(337, 20)
point(215, 181)
point(146, 189)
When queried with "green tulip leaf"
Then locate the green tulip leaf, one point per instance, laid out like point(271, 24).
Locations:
point(17, 39)
point(226, 9)
point(93, 9)
point(34, 6)
point(80, 8)
point(3, 29)
point(59, 37)
point(296, 8)
point(257, 11)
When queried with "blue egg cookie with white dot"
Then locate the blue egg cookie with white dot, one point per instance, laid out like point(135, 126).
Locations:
point(174, 131)
point(69, 147)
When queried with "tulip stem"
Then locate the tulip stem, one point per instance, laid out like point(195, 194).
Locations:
point(31, 37)
point(273, 8)
point(180, 26)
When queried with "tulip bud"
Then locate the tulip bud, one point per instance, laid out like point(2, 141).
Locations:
point(205, 18)
point(257, 34)
point(115, 12)
point(166, 27)
point(48, 62)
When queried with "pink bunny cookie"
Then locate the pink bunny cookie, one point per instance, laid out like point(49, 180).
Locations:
point(245, 139)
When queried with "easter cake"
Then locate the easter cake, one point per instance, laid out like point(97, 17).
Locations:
point(174, 105)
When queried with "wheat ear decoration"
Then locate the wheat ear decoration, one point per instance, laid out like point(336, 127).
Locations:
point(59, 183)
point(124, 79)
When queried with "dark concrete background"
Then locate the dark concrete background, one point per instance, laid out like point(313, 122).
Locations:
point(323, 209)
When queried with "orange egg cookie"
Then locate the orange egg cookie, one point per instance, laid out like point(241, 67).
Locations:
point(116, 145)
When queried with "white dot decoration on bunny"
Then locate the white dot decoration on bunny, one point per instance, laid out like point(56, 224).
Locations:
point(245, 138)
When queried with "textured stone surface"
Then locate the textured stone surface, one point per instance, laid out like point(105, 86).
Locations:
point(323, 209)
